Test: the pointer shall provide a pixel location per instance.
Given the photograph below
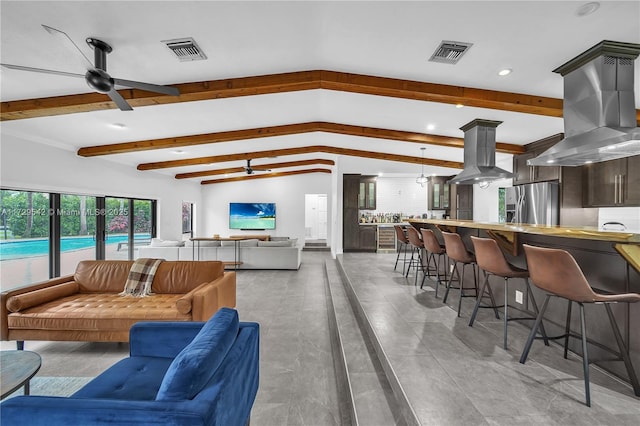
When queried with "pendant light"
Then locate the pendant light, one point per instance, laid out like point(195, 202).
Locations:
point(422, 179)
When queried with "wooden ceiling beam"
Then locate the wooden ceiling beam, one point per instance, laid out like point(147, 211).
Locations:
point(256, 167)
point(296, 151)
point(290, 82)
point(264, 176)
point(283, 130)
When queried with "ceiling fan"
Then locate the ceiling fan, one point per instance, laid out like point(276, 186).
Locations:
point(96, 75)
point(250, 169)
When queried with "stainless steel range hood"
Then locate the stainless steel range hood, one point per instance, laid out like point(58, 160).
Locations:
point(599, 110)
point(480, 154)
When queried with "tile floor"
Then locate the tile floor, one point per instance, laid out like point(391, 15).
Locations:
point(452, 373)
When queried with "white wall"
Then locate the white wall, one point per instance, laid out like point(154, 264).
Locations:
point(26, 165)
point(287, 192)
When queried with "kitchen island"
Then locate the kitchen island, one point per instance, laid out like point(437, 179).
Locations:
point(610, 261)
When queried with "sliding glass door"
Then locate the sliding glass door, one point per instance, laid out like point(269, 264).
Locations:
point(44, 235)
point(24, 238)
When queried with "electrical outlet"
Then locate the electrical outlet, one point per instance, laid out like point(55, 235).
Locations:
point(519, 297)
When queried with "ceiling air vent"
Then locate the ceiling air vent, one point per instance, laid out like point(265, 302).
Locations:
point(450, 52)
point(185, 49)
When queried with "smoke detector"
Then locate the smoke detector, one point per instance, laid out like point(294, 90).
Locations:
point(450, 52)
point(185, 49)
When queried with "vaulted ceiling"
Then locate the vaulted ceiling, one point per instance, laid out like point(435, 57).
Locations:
point(312, 83)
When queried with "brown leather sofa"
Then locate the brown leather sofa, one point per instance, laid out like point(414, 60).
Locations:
point(86, 306)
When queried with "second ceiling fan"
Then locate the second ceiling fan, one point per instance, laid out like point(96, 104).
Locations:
point(96, 75)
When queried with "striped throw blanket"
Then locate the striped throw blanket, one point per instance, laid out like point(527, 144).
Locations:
point(140, 277)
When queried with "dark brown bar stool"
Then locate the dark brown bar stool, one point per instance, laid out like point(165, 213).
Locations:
point(403, 245)
point(458, 253)
point(433, 248)
point(557, 273)
point(416, 249)
point(492, 261)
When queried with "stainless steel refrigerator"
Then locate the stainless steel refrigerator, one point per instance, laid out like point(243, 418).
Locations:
point(534, 203)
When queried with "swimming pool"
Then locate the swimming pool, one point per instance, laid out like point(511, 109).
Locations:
point(18, 249)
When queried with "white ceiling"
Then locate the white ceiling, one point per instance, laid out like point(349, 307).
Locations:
point(383, 38)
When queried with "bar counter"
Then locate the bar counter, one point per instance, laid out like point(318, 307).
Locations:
point(610, 260)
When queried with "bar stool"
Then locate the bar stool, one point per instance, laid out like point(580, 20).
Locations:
point(403, 242)
point(557, 273)
point(492, 261)
point(457, 252)
point(433, 248)
point(416, 248)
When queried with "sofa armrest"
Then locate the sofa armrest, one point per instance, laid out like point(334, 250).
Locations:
point(161, 339)
point(4, 297)
point(208, 299)
point(53, 411)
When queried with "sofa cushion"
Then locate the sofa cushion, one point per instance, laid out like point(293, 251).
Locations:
point(102, 276)
point(241, 243)
point(198, 361)
point(157, 242)
point(274, 243)
point(180, 277)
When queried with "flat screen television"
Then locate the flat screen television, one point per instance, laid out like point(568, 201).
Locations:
point(252, 216)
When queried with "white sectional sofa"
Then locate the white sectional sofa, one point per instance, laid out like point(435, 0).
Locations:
point(282, 253)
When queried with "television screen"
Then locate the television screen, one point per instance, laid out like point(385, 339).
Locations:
point(256, 216)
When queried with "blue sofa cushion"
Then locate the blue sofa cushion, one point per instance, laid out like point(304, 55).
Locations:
point(131, 379)
point(196, 364)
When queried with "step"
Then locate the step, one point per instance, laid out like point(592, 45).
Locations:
point(398, 395)
point(316, 248)
point(366, 395)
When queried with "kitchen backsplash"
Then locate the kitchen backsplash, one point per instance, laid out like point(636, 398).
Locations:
point(629, 216)
point(401, 194)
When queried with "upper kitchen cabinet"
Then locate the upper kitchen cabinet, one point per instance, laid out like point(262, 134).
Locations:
point(614, 183)
point(529, 174)
point(367, 193)
point(438, 196)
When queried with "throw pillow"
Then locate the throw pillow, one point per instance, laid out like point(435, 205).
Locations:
point(198, 361)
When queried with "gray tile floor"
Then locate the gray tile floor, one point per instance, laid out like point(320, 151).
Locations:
point(454, 374)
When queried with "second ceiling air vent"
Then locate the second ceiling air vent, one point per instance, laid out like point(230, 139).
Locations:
point(185, 49)
point(450, 52)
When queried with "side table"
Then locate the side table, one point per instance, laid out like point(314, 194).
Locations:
point(16, 369)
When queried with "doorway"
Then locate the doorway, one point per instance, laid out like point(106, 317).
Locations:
point(315, 217)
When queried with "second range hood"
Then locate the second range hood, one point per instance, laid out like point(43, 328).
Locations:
point(480, 154)
point(599, 110)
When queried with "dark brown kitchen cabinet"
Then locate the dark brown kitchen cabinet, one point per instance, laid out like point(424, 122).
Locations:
point(367, 193)
point(529, 174)
point(463, 208)
point(439, 197)
point(350, 214)
point(612, 183)
point(368, 237)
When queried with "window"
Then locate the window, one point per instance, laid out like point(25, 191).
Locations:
point(45, 235)
point(187, 218)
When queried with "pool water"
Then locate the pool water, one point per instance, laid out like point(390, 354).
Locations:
point(18, 249)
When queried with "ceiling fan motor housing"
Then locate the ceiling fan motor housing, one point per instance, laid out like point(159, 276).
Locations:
point(99, 80)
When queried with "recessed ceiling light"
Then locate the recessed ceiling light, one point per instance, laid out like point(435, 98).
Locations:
point(178, 151)
point(118, 126)
point(380, 174)
point(431, 127)
point(587, 8)
point(459, 105)
point(505, 71)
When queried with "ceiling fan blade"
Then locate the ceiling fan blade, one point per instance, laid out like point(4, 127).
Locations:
point(69, 44)
point(42, 70)
point(167, 90)
point(119, 100)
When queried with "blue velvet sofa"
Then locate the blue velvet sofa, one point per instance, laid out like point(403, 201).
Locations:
point(178, 373)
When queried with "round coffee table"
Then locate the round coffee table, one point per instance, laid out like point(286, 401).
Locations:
point(16, 369)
